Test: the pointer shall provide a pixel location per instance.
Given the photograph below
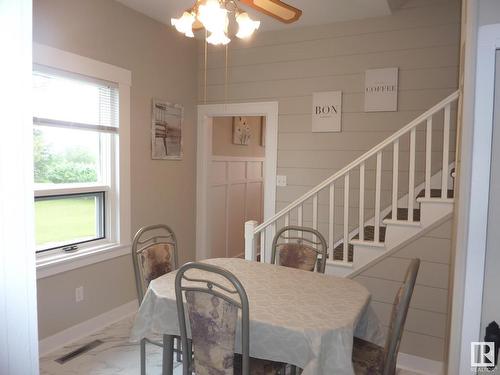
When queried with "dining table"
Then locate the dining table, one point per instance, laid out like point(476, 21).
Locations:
point(306, 319)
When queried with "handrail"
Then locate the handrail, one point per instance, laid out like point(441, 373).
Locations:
point(439, 106)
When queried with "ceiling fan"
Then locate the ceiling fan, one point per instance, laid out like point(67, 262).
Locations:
point(275, 8)
point(212, 15)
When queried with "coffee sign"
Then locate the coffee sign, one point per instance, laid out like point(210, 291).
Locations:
point(381, 90)
point(327, 111)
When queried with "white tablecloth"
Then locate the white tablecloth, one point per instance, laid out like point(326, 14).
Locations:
point(302, 318)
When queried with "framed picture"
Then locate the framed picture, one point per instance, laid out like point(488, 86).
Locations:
point(241, 131)
point(327, 112)
point(166, 130)
point(381, 90)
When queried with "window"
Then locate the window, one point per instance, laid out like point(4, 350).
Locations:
point(75, 131)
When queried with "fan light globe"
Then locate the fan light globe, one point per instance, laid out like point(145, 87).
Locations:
point(246, 25)
point(184, 24)
point(218, 38)
point(213, 16)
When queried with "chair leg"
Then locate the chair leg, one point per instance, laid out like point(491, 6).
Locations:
point(143, 357)
point(293, 370)
point(168, 355)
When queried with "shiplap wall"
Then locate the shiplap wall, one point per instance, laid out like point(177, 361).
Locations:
point(422, 39)
point(425, 330)
point(287, 66)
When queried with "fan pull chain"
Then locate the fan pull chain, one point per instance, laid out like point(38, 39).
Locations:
point(205, 77)
point(226, 76)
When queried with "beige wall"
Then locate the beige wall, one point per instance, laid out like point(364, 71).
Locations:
point(162, 63)
point(222, 138)
point(422, 39)
point(425, 332)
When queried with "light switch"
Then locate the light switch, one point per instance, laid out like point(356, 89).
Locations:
point(281, 180)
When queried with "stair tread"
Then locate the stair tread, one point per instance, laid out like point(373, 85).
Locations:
point(435, 193)
point(338, 252)
point(370, 234)
point(403, 214)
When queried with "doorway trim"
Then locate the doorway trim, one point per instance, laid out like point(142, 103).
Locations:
point(473, 204)
point(206, 112)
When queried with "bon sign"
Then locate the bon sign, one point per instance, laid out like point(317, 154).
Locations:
point(327, 111)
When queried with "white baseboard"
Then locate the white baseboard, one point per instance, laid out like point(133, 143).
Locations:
point(54, 342)
point(420, 365)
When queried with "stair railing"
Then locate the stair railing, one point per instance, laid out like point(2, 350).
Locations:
point(267, 229)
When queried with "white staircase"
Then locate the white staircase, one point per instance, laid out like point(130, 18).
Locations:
point(382, 225)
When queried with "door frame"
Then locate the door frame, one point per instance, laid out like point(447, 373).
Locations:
point(473, 207)
point(206, 112)
point(18, 302)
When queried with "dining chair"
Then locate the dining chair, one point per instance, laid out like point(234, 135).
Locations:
point(372, 359)
point(154, 253)
point(294, 249)
point(216, 301)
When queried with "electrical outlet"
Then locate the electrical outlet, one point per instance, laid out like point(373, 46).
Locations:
point(79, 294)
point(281, 180)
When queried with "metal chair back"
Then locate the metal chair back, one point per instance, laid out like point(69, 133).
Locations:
point(398, 318)
point(152, 235)
point(219, 283)
point(317, 243)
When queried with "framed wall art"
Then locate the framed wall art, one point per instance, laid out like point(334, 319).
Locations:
point(166, 130)
point(381, 90)
point(241, 131)
point(327, 111)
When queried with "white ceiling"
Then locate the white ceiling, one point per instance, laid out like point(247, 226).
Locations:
point(314, 12)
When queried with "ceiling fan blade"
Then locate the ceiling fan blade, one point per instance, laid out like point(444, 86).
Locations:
point(275, 8)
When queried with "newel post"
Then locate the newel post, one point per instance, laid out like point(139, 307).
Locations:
point(250, 244)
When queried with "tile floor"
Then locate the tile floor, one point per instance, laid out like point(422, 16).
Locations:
point(116, 356)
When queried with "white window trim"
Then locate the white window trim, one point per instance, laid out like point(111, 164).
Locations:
point(119, 243)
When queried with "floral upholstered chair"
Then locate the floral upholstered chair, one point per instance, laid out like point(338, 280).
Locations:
point(293, 248)
point(154, 253)
point(214, 299)
point(372, 359)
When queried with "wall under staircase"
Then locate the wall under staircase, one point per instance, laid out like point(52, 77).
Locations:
point(425, 332)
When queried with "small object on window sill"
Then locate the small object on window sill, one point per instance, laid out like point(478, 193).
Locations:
point(70, 249)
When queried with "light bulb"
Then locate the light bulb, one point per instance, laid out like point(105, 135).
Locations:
point(218, 38)
point(184, 24)
point(213, 16)
point(246, 25)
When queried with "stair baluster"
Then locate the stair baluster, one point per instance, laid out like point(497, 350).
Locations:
point(378, 181)
point(428, 157)
point(346, 218)
point(331, 221)
point(315, 212)
point(395, 178)
point(446, 152)
point(411, 176)
point(361, 199)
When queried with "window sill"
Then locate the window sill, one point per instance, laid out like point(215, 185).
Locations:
point(54, 264)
